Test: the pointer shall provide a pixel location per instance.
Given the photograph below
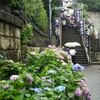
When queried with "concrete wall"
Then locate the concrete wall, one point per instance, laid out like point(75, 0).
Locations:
point(95, 19)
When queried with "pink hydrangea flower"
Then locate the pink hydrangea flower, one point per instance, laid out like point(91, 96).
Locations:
point(78, 92)
point(82, 83)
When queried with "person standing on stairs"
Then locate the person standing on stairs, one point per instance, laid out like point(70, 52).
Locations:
point(72, 52)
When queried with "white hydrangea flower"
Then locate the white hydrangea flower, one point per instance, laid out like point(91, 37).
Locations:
point(49, 80)
point(29, 77)
point(64, 64)
point(6, 86)
point(14, 77)
point(33, 53)
point(51, 72)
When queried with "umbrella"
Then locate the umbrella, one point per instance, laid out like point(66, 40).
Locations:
point(72, 44)
point(77, 44)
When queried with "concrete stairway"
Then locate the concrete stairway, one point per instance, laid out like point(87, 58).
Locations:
point(72, 35)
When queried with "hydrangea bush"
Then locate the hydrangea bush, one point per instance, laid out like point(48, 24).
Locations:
point(47, 75)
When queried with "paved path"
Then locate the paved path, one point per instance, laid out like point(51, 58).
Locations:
point(92, 76)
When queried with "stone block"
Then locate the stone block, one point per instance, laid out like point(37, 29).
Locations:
point(13, 31)
point(4, 29)
point(13, 54)
point(7, 29)
point(0, 43)
point(12, 43)
point(17, 32)
point(17, 43)
point(5, 43)
point(10, 31)
point(1, 28)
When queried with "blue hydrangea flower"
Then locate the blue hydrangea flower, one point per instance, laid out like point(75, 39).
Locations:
point(59, 88)
point(38, 90)
point(77, 67)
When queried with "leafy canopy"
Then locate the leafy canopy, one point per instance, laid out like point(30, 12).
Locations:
point(93, 5)
point(34, 9)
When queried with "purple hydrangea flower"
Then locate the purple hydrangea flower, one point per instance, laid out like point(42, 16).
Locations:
point(77, 67)
point(78, 92)
point(88, 97)
point(87, 94)
point(5, 87)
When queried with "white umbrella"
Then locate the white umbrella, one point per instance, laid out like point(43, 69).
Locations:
point(69, 44)
point(77, 44)
point(72, 44)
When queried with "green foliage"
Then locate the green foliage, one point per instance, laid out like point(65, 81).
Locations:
point(26, 33)
point(34, 9)
point(93, 5)
point(44, 76)
point(8, 67)
point(84, 10)
point(55, 3)
point(46, 6)
point(17, 4)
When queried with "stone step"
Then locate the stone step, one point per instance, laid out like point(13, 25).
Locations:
point(72, 35)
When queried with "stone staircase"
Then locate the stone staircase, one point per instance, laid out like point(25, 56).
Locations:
point(81, 57)
point(72, 35)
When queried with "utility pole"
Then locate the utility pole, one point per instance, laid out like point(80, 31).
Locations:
point(50, 22)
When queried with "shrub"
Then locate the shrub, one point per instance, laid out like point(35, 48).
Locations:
point(46, 76)
point(26, 33)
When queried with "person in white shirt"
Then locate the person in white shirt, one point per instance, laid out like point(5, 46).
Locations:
point(72, 52)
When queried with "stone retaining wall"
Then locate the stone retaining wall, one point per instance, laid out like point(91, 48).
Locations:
point(10, 40)
point(38, 40)
point(10, 27)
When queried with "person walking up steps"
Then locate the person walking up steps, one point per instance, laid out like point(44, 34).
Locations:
point(72, 52)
